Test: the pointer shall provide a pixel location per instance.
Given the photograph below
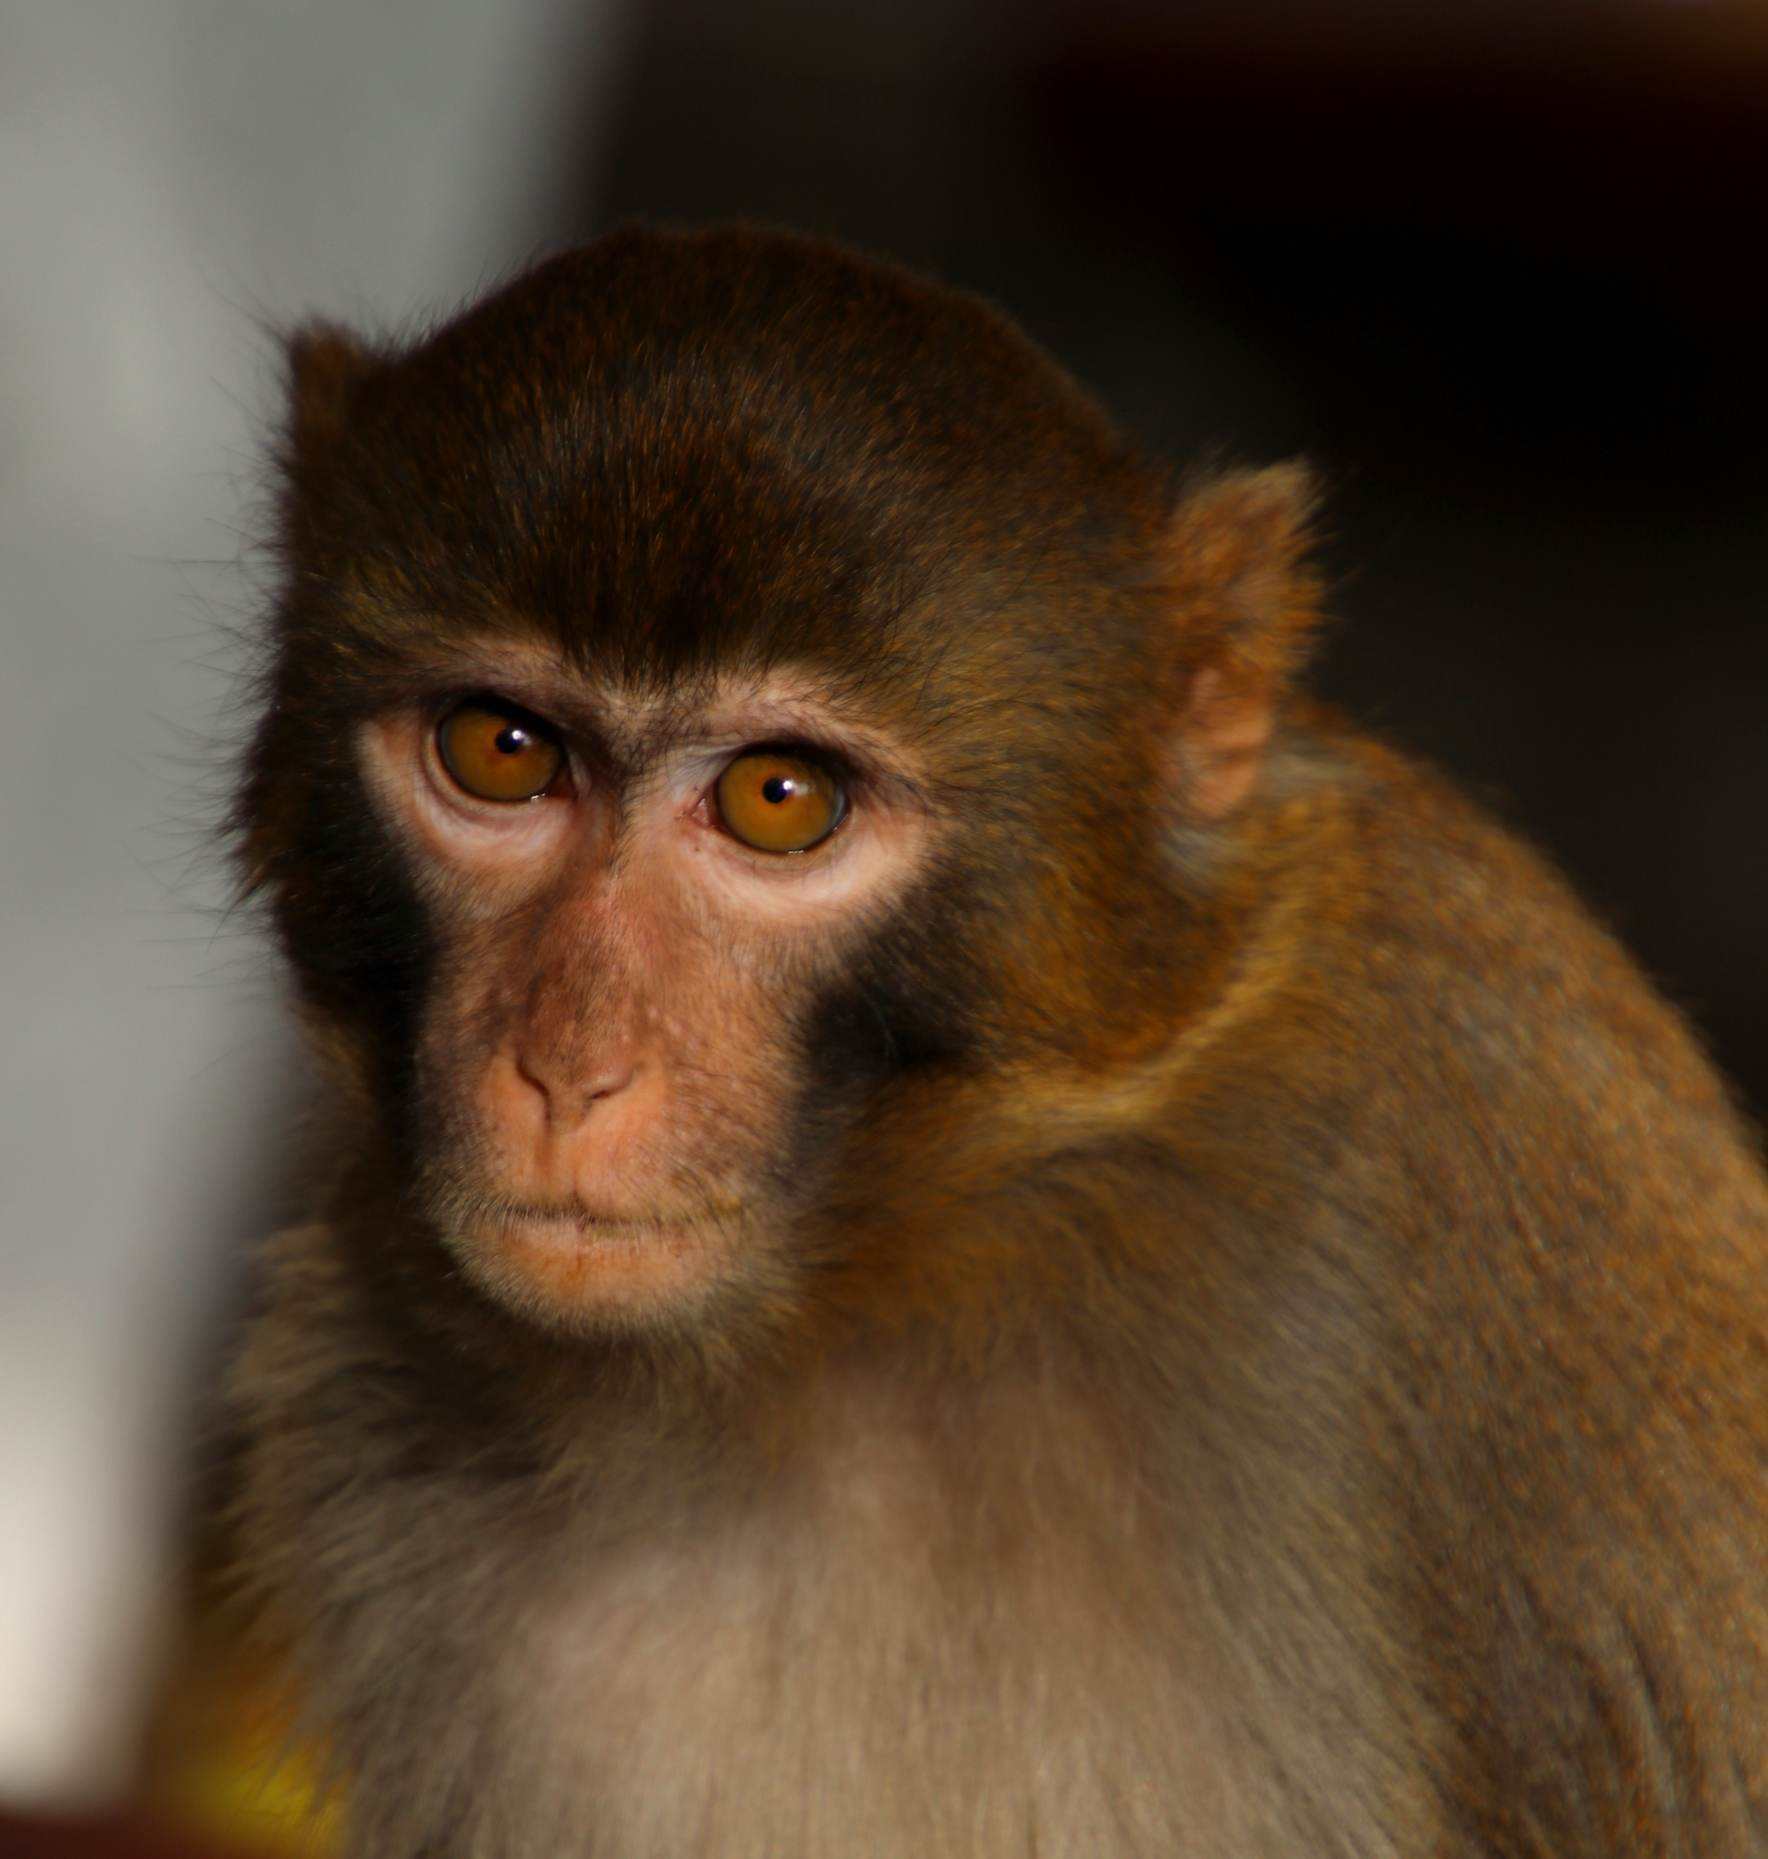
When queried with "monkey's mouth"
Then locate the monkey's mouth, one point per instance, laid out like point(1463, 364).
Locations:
point(459, 1209)
point(574, 1225)
point(565, 1263)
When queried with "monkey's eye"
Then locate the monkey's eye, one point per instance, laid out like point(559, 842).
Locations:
point(498, 752)
point(777, 802)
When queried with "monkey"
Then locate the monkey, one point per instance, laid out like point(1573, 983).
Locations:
point(956, 1221)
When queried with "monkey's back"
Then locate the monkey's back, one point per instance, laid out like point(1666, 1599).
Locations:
point(1519, 1194)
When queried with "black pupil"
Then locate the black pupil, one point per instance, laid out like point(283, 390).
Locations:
point(512, 739)
point(776, 788)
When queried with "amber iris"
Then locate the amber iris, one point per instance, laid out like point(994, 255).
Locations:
point(779, 803)
point(498, 754)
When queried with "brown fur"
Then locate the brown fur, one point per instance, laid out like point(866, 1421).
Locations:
point(1266, 1353)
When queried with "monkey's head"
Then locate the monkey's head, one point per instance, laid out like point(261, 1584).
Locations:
point(729, 698)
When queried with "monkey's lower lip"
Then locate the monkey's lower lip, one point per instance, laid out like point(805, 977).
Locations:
point(575, 1226)
point(573, 1266)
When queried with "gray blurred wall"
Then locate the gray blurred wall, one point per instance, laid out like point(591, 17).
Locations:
point(177, 174)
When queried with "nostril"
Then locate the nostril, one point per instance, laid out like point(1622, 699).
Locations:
point(533, 1075)
point(567, 1090)
point(608, 1082)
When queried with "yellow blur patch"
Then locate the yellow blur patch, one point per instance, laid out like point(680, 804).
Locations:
point(273, 1808)
point(230, 1772)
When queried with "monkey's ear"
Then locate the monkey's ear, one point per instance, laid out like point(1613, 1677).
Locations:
point(326, 365)
point(1245, 606)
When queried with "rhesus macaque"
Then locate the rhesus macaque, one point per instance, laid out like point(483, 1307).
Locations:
point(961, 1226)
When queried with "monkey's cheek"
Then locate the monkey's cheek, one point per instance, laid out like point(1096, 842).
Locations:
point(586, 1277)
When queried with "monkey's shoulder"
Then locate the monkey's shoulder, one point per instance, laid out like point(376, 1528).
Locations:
point(1398, 912)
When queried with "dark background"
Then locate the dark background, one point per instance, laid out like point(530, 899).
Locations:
point(1493, 269)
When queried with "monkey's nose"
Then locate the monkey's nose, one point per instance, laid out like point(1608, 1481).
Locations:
point(569, 1132)
point(568, 1090)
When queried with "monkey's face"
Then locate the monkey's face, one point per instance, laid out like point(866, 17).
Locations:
point(714, 719)
point(635, 901)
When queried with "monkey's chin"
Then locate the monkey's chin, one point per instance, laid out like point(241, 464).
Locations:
point(583, 1274)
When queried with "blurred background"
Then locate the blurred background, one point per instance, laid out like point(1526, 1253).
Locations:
point(1494, 267)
